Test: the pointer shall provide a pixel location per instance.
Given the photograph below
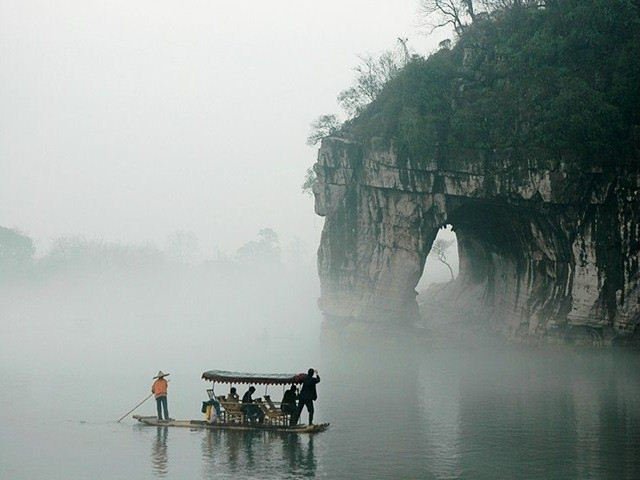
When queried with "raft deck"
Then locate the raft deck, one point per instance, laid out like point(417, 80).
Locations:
point(154, 422)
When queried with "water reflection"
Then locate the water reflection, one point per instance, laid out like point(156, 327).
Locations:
point(257, 453)
point(524, 414)
point(438, 393)
point(371, 395)
point(406, 410)
point(301, 459)
point(159, 457)
point(416, 411)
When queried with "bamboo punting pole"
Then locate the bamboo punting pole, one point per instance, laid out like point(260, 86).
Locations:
point(131, 411)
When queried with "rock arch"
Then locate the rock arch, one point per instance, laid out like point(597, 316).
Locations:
point(550, 245)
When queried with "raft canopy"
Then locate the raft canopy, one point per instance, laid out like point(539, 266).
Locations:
point(223, 376)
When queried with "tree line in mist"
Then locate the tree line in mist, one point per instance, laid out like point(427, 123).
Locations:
point(18, 257)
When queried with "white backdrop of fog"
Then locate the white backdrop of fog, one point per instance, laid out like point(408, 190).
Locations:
point(128, 121)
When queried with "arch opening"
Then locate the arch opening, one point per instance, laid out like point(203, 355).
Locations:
point(442, 263)
point(511, 263)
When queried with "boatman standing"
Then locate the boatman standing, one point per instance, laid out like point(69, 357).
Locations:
point(308, 394)
point(159, 389)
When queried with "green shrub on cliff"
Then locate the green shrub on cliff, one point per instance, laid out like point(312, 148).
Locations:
point(560, 81)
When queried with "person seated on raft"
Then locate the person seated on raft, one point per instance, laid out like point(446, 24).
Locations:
point(215, 404)
point(288, 404)
point(233, 395)
point(249, 408)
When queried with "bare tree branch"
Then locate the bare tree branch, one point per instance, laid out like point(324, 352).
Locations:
point(439, 250)
point(372, 74)
point(461, 13)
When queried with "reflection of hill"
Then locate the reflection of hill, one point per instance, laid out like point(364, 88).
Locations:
point(372, 397)
point(562, 412)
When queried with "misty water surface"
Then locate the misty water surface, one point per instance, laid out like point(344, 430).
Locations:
point(78, 352)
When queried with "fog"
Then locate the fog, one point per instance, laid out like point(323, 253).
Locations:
point(81, 339)
point(127, 121)
point(143, 147)
point(143, 299)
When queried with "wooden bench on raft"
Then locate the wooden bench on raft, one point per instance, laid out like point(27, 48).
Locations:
point(273, 413)
point(232, 410)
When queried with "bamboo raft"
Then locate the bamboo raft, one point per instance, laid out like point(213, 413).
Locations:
point(154, 422)
point(233, 416)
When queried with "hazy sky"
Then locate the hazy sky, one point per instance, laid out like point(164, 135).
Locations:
point(129, 120)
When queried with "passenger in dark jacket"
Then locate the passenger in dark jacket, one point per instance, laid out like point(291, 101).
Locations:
point(233, 395)
point(250, 409)
point(288, 404)
point(308, 394)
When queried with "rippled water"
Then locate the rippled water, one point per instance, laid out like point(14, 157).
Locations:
point(399, 407)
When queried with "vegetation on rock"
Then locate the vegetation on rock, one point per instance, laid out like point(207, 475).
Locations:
point(556, 80)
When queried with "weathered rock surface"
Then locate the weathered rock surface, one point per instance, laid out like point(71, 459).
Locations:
point(550, 246)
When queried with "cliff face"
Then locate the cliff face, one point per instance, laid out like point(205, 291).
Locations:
point(549, 245)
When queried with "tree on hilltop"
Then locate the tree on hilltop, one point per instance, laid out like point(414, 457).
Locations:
point(322, 127)
point(459, 14)
point(372, 74)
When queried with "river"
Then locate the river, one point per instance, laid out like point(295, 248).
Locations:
point(400, 406)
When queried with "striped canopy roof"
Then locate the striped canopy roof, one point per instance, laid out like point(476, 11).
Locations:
point(223, 376)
